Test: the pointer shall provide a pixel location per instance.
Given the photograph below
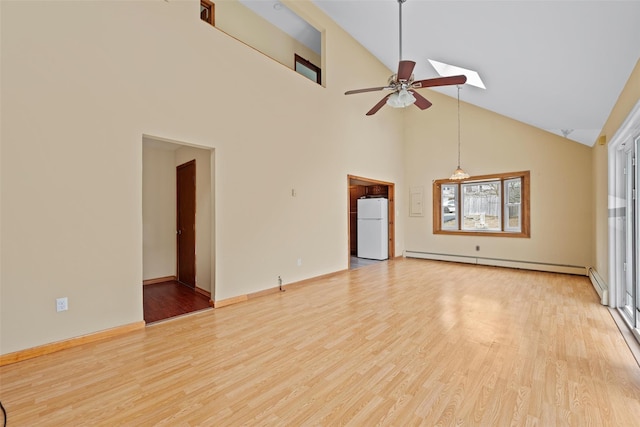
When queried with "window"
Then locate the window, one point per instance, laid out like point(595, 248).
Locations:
point(307, 69)
point(207, 12)
point(449, 201)
point(495, 205)
point(513, 205)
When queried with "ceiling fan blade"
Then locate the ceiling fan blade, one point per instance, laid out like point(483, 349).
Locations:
point(378, 106)
point(405, 68)
point(370, 89)
point(440, 81)
point(421, 102)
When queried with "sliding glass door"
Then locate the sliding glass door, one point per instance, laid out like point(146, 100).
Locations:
point(628, 301)
point(624, 221)
point(631, 299)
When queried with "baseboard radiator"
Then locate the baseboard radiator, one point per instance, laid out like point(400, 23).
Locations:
point(497, 262)
point(600, 286)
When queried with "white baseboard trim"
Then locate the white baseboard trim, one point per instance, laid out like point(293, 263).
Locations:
point(497, 262)
point(599, 285)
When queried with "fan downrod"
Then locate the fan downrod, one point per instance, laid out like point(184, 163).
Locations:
point(400, 28)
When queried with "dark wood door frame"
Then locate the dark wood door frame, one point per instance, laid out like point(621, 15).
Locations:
point(186, 223)
point(358, 180)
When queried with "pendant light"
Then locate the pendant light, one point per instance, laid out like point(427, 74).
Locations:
point(459, 174)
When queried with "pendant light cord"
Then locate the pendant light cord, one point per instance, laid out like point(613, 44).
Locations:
point(459, 174)
point(458, 86)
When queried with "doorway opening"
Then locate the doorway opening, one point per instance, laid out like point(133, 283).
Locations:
point(362, 188)
point(178, 234)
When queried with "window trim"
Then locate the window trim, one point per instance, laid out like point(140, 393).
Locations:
point(525, 230)
point(212, 12)
point(310, 65)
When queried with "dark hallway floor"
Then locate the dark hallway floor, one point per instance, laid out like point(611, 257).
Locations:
point(169, 299)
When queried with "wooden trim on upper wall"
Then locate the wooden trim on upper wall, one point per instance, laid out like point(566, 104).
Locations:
point(208, 12)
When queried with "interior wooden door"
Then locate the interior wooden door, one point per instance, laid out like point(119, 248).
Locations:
point(186, 223)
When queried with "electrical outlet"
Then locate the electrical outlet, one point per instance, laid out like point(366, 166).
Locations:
point(478, 248)
point(299, 262)
point(62, 304)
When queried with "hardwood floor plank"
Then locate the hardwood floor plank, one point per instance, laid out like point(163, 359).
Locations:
point(163, 300)
point(405, 342)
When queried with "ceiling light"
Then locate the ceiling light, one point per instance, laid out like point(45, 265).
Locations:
point(402, 98)
point(459, 174)
point(446, 70)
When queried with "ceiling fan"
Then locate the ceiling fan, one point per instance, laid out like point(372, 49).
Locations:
point(402, 84)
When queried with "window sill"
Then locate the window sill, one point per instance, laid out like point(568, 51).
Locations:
point(483, 233)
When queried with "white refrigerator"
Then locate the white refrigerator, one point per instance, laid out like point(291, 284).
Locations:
point(373, 228)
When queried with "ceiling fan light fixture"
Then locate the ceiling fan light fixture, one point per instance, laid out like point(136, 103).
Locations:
point(403, 84)
point(401, 99)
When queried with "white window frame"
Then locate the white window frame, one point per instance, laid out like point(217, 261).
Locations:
point(508, 206)
point(480, 224)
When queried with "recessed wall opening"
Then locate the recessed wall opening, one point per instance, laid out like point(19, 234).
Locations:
point(274, 29)
point(178, 228)
point(367, 189)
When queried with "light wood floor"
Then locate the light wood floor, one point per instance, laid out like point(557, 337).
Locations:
point(405, 342)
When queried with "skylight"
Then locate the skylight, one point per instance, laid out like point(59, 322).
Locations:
point(446, 70)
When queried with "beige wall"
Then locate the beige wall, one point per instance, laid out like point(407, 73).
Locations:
point(158, 211)
point(239, 21)
point(78, 94)
point(627, 99)
point(561, 200)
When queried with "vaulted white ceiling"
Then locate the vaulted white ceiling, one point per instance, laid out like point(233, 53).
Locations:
point(559, 65)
